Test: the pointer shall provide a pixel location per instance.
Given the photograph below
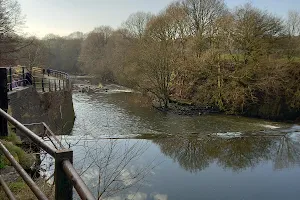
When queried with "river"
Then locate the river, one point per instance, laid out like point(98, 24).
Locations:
point(163, 156)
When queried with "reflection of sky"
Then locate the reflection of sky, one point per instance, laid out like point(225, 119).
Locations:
point(168, 180)
point(184, 168)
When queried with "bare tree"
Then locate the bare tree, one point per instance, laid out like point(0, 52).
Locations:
point(292, 26)
point(136, 23)
point(254, 32)
point(33, 55)
point(94, 54)
point(293, 23)
point(11, 21)
point(203, 13)
point(158, 57)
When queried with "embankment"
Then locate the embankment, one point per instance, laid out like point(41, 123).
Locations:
point(54, 108)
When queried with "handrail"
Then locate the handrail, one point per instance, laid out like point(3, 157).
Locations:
point(47, 129)
point(6, 189)
point(78, 183)
point(31, 184)
point(65, 174)
point(36, 139)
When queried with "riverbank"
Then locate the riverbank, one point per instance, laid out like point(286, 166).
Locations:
point(175, 106)
point(185, 108)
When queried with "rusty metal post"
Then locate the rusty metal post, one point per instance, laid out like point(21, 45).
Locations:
point(3, 101)
point(63, 185)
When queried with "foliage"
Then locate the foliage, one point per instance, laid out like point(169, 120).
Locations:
point(241, 61)
point(26, 160)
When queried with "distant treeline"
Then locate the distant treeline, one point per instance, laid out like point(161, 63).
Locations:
point(241, 61)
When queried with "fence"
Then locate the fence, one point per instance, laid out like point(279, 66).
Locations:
point(65, 175)
point(43, 80)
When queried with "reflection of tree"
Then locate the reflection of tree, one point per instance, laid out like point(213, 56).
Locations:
point(108, 166)
point(241, 153)
point(288, 153)
point(192, 154)
point(195, 154)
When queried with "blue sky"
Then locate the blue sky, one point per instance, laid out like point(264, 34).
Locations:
point(65, 16)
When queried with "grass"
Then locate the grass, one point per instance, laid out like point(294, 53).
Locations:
point(22, 191)
point(25, 159)
point(11, 142)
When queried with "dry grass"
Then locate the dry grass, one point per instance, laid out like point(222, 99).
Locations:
point(22, 191)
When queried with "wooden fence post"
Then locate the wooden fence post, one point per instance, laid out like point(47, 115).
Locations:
point(63, 185)
point(3, 101)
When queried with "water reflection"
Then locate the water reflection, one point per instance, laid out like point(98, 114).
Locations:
point(202, 166)
point(197, 153)
point(288, 151)
point(123, 114)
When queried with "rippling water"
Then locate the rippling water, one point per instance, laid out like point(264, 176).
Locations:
point(180, 157)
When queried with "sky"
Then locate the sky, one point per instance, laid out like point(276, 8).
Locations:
point(63, 17)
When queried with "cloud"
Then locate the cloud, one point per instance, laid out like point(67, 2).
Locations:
point(160, 197)
point(113, 198)
point(137, 196)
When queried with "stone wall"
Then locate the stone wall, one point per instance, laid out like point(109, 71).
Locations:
point(54, 108)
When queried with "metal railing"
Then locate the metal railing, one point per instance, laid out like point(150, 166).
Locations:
point(44, 80)
point(65, 175)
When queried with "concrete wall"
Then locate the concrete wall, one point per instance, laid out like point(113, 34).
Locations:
point(54, 108)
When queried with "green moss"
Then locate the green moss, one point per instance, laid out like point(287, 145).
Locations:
point(25, 159)
point(17, 186)
point(13, 138)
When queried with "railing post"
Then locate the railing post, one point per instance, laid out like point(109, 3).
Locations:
point(49, 85)
point(43, 88)
point(63, 185)
point(63, 84)
point(68, 84)
point(33, 82)
point(59, 84)
point(3, 101)
point(23, 75)
point(55, 85)
point(10, 78)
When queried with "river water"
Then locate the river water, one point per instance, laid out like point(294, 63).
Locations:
point(125, 149)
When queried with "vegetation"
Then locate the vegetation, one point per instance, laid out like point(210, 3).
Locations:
point(240, 61)
point(21, 190)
